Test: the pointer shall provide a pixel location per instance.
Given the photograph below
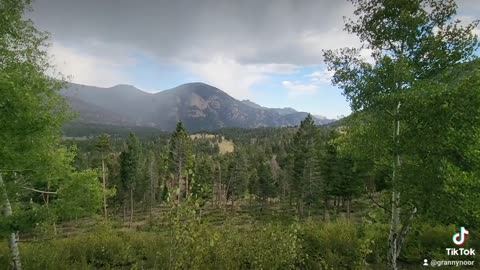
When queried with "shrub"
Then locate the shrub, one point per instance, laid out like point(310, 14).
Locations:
point(374, 242)
point(331, 245)
point(193, 245)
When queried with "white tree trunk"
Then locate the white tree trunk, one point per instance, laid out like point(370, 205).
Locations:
point(349, 203)
point(179, 179)
point(152, 191)
point(393, 242)
point(131, 206)
point(104, 178)
point(12, 240)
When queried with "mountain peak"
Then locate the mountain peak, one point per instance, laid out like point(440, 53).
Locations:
point(250, 103)
point(199, 88)
point(195, 84)
point(199, 105)
point(125, 87)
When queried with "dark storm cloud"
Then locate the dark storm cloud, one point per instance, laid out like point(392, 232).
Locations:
point(250, 31)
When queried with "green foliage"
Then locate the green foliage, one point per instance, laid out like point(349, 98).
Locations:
point(180, 159)
point(31, 109)
point(416, 46)
point(444, 149)
point(269, 247)
point(305, 178)
point(103, 144)
point(238, 176)
point(264, 185)
point(331, 246)
point(198, 245)
point(130, 162)
point(81, 195)
point(374, 242)
point(201, 189)
point(32, 113)
point(413, 44)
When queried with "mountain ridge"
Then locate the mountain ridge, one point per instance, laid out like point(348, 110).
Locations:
point(199, 105)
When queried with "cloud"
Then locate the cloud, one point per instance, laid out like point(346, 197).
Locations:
point(249, 31)
point(468, 8)
point(227, 75)
point(311, 84)
point(84, 68)
point(321, 76)
point(228, 43)
point(297, 88)
point(233, 77)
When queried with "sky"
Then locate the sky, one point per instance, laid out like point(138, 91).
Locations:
point(269, 51)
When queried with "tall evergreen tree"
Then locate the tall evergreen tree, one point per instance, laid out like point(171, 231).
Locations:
point(305, 164)
point(238, 176)
point(330, 171)
point(180, 160)
point(265, 186)
point(104, 147)
point(130, 167)
point(204, 177)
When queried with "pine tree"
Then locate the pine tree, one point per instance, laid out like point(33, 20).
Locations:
point(104, 147)
point(252, 184)
point(265, 185)
point(204, 175)
point(331, 175)
point(180, 160)
point(130, 167)
point(238, 176)
point(305, 164)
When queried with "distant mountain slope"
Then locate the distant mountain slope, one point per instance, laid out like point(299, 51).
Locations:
point(200, 106)
point(282, 111)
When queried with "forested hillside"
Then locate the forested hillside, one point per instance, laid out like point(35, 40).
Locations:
point(385, 188)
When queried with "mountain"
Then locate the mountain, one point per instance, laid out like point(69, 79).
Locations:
point(282, 111)
point(251, 104)
point(200, 106)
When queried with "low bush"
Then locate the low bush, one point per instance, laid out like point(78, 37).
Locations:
point(194, 245)
point(331, 245)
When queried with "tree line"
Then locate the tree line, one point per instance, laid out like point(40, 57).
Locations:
point(296, 166)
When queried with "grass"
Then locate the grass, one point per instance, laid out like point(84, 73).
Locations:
point(225, 146)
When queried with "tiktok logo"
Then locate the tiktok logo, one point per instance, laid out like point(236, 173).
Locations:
point(460, 237)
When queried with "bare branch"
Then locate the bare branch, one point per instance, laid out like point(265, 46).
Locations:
point(375, 202)
point(20, 170)
point(40, 240)
point(40, 191)
point(389, 112)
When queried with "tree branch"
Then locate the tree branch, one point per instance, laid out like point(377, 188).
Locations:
point(40, 191)
point(22, 170)
point(375, 202)
point(40, 240)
